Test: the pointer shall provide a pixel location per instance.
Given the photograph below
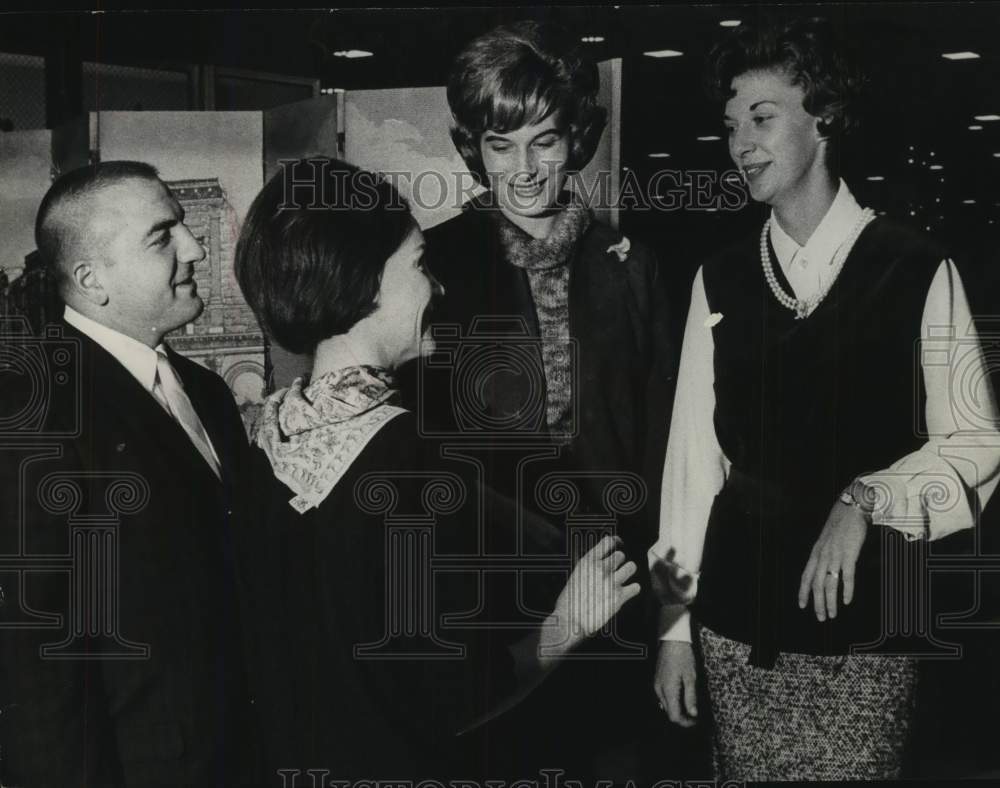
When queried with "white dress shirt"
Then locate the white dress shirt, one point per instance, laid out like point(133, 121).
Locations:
point(962, 450)
point(140, 360)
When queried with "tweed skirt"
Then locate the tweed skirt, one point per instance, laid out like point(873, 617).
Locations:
point(809, 718)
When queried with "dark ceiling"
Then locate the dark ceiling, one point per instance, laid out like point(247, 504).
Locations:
point(916, 97)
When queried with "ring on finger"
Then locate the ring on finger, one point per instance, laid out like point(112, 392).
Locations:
point(832, 573)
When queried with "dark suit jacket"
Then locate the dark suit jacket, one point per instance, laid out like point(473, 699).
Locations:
point(158, 696)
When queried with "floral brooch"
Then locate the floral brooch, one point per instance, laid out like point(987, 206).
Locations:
point(621, 249)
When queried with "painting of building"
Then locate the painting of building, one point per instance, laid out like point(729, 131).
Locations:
point(226, 337)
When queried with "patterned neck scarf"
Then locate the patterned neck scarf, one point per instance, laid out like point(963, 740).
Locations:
point(312, 433)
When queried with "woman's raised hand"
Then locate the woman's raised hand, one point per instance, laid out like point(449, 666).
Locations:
point(593, 594)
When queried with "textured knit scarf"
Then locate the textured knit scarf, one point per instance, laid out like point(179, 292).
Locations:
point(311, 434)
point(546, 261)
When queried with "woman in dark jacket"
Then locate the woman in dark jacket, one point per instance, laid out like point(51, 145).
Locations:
point(356, 529)
point(574, 310)
point(558, 364)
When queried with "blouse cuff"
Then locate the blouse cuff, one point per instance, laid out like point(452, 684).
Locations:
point(675, 623)
point(920, 496)
point(674, 587)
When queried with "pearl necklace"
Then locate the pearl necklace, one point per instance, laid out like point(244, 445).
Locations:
point(802, 307)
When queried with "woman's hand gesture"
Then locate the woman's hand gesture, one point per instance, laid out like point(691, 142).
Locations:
point(594, 592)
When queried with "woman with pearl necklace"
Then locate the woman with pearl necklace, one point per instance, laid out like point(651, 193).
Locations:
point(818, 436)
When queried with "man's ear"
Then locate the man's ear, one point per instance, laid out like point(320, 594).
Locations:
point(85, 281)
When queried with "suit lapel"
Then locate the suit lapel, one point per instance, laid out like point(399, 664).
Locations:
point(116, 396)
point(598, 306)
point(481, 283)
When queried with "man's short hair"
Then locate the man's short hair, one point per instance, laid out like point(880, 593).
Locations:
point(517, 75)
point(59, 226)
point(313, 247)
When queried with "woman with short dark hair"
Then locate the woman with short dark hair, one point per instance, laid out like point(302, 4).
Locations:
point(831, 86)
point(348, 508)
point(311, 297)
point(809, 452)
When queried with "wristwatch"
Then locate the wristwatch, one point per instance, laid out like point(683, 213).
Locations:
point(848, 497)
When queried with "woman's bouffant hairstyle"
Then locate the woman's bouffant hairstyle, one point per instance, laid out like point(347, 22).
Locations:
point(312, 249)
point(517, 75)
point(807, 51)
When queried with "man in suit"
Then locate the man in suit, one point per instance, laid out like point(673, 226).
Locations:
point(122, 662)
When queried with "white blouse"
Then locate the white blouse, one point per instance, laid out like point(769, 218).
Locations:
point(962, 452)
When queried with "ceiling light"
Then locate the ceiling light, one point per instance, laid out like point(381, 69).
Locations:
point(592, 39)
point(986, 117)
point(709, 138)
point(663, 53)
point(339, 90)
point(960, 55)
point(730, 23)
point(659, 155)
point(352, 53)
point(876, 178)
point(996, 155)
point(936, 167)
point(968, 202)
point(975, 127)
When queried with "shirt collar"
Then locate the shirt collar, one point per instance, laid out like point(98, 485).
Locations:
point(829, 235)
point(137, 358)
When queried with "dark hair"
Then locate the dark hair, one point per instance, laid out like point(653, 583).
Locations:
point(58, 228)
point(519, 74)
point(807, 51)
point(312, 249)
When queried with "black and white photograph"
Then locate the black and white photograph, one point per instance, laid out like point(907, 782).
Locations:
point(514, 396)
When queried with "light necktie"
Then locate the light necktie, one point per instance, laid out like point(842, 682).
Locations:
point(172, 391)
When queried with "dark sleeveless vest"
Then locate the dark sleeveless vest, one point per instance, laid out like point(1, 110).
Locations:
point(802, 408)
